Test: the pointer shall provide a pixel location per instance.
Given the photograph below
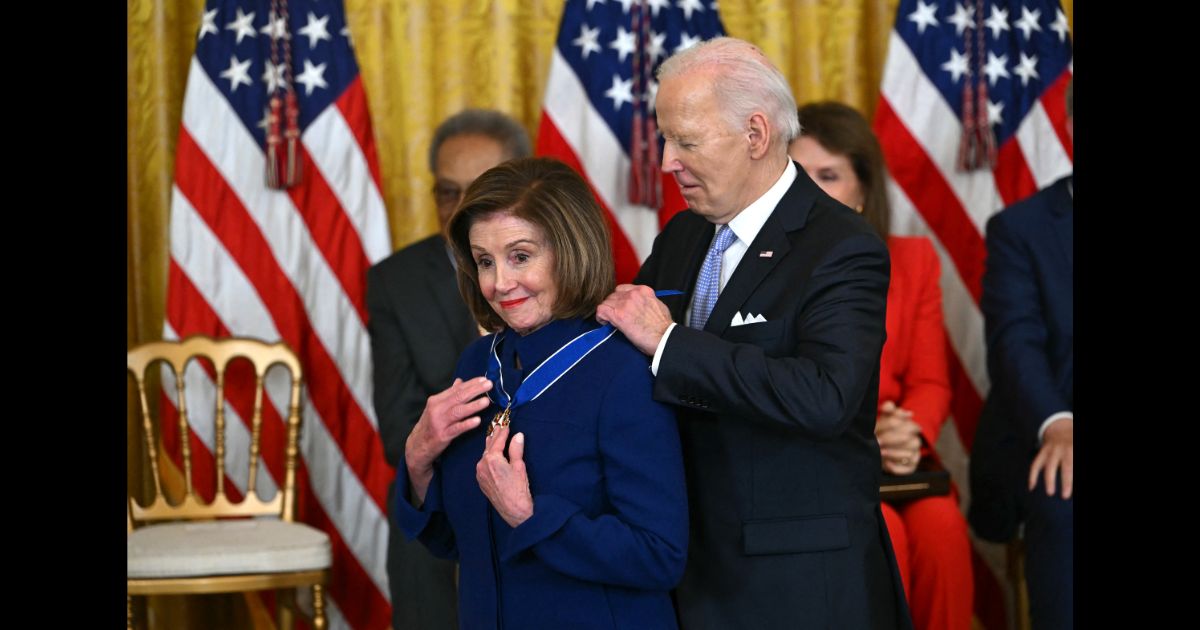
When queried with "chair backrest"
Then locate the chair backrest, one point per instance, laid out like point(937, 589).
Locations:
point(176, 355)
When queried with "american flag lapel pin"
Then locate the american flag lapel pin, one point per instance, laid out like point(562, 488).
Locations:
point(766, 254)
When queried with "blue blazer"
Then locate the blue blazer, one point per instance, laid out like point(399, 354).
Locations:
point(1028, 308)
point(608, 536)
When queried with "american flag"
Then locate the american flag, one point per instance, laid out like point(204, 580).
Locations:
point(250, 260)
point(598, 112)
point(954, 71)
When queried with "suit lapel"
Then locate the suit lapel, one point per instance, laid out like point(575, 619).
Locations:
point(443, 285)
point(790, 214)
point(750, 272)
point(686, 280)
point(1063, 220)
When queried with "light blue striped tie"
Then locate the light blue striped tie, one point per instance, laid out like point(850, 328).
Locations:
point(709, 281)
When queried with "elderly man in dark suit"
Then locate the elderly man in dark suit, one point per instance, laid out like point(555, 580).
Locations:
point(1022, 463)
point(419, 326)
point(772, 357)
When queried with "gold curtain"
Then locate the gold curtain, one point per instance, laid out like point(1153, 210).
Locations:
point(422, 60)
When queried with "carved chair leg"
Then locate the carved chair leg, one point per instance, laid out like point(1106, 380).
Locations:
point(1016, 576)
point(318, 607)
point(285, 600)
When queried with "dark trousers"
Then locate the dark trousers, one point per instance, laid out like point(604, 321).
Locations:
point(421, 585)
point(1049, 560)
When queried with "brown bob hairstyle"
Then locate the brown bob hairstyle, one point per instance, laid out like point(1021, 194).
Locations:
point(841, 130)
point(552, 196)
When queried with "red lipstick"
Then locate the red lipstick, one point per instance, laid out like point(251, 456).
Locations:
point(507, 304)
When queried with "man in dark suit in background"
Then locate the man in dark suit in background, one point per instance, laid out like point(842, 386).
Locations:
point(1022, 463)
point(772, 357)
point(419, 326)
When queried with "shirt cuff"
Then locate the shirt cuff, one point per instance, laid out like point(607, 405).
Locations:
point(662, 343)
point(1062, 415)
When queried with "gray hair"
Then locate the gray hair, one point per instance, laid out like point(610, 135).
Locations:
point(748, 82)
point(483, 122)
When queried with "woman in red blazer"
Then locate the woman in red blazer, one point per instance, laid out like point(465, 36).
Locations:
point(839, 151)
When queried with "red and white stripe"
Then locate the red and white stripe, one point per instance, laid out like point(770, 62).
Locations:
point(572, 131)
point(930, 197)
point(246, 260)
point(920, 134)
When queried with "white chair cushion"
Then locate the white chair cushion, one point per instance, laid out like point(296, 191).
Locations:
point(227, 547)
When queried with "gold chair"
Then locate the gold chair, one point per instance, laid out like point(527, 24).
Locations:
point(194, 547)
point(1015, 554)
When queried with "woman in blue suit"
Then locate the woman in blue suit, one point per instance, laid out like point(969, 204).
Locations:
point(580, 519)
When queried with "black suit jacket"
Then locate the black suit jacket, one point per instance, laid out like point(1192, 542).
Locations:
point(777, 420)
point(1028, 310)
point(419, 326)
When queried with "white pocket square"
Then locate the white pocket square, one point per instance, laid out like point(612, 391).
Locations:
point(750, 318)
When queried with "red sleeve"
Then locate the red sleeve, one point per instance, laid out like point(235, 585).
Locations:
point(925, 380)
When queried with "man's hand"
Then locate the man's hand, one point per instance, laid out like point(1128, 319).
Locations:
point(1056, 457)
point(638, 314)
point(447, 415)
point(504, 480)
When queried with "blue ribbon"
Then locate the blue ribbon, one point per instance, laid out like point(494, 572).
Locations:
point(553, 368)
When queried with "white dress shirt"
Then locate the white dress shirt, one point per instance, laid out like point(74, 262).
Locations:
point(745, 225)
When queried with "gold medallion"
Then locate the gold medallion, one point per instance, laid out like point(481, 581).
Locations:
point(501, 420)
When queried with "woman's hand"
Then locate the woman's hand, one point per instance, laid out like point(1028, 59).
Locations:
point(447, 415)
point(503, 480)
point(899, 439)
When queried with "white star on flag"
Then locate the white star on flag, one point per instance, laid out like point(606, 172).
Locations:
point(1027, 68)
point(687, 41)
point(623, 43)
point(273, 76)
point(625, 4)
point(275, 28)
point(312, 77)
point(237, 73)
point(997, 21)
point(1060, 25)
point(655, 5)
point(688, 7)
point(994, 111)
point(923, 16)
point(963, 18)
point(315, 30)
point(345, 32)
point(620, 92)
point(651, 94)
point(265, 121)
point(587, 40)
point(1029, 22)
point(656, 45)
point(242, 25)
point(995, 68)
point(592, 3)
point(208, 23)
point(956, 65)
